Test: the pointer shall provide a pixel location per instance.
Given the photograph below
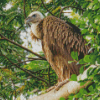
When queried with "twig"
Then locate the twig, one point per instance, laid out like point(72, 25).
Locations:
point(6, 30)
point(11, 20)
point(2, 39)
point(49, 75)
point(24, 9)
point(22, 47)
point(38, 7)
point(19, 27)
point(66, 12)
point(22, 62)
point(36, 59)
point(14, 88)
point(69, 7)
point(28, 60)
point(14, 64)
point(47, 8)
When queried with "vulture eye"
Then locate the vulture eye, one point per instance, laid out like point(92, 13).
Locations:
point(34, 15)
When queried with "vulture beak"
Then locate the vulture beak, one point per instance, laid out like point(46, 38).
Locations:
point(27, 20)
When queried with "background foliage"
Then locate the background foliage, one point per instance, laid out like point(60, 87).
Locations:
point(16, 76)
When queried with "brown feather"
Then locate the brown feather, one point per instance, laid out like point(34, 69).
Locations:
point(33, 37)
point(58, 40)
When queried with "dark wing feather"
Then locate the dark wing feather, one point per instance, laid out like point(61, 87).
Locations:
point(62, 38)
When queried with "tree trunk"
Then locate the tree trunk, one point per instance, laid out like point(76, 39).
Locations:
point(65, 90)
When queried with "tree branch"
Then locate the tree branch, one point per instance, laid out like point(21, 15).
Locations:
point(22, 47)
point(6, 30)
point(47, 8)
point(49, 75)
point(32, 59)
point(25, 70)
point(24, 9)
point(69, 7)
point(2, 39)
point(36, 58)
point(69, 88)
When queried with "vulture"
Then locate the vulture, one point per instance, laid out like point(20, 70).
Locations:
point(59, 39)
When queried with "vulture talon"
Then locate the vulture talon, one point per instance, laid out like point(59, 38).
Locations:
point(51, 88)
point(60, 85)
point(57, 86)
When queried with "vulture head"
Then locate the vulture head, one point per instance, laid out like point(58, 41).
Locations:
point(34, 19)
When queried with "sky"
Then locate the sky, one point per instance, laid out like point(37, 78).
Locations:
point(25, 36)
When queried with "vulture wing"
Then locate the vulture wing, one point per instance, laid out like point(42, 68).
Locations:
point(61, 38)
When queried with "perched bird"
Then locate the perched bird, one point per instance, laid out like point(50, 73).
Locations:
point(59, 39)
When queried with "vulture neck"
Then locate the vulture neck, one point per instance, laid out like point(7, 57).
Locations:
point(37, 29)
point(34, 29)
